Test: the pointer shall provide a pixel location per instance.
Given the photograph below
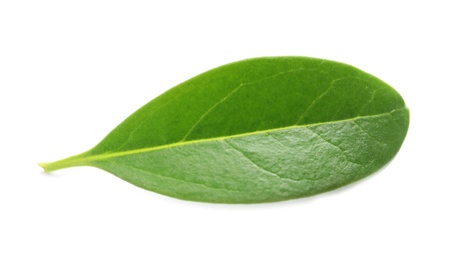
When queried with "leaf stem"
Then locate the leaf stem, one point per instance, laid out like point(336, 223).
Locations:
point(77, 160)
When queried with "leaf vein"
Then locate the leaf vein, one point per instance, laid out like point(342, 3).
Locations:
point(332, 85)
point(369, 135)
point(257, 165)
point(343, 152)
point(232, 93)
point(177, 144)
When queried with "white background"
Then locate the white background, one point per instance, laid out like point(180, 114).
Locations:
point(70, 71)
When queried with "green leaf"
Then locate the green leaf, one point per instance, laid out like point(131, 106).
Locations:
point(257, 130)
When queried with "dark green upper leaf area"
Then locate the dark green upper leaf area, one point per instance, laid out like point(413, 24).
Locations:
point(253, 95)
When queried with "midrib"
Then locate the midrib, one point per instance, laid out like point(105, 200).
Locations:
point(84, 159)
point(105, 156)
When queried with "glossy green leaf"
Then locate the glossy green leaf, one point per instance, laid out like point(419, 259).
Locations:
point(257, 130)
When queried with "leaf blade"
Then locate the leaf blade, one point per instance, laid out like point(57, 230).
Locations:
point(293, 93)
